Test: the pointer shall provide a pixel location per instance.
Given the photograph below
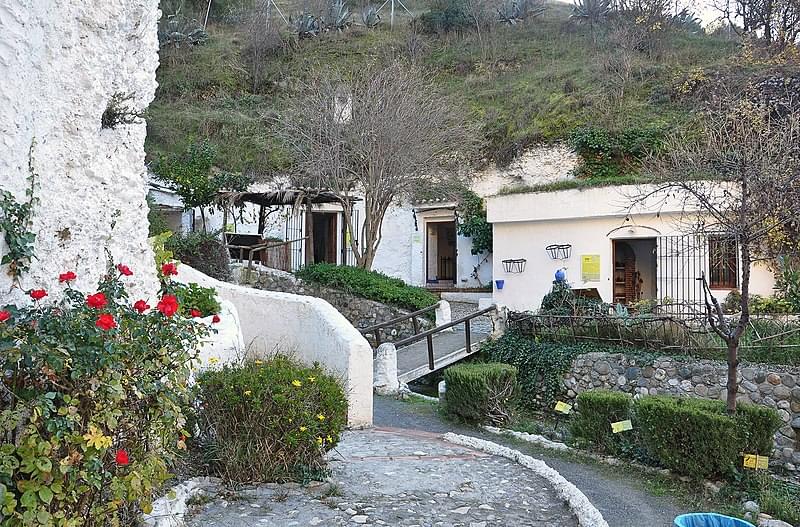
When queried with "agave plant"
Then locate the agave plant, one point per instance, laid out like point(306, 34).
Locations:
point(370, 17)
point(591, 11)
point(508, 12)
point(176, 30)
point(338, 16)
point(686, 20)
point(306, 25)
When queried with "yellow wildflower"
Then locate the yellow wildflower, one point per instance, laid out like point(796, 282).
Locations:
point(320, 417)
point(296, 383)
point(95, 438)
point(259, 361)
point(248, 392)
point(319, 441)
point(213, 360)
point(303, 428)
point(312, 379)
point(329, 439)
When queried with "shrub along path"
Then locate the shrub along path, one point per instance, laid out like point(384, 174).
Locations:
point(400, 478)
point(620, 495)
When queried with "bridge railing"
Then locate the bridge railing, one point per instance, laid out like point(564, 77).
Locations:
point(414, 317)
point(428, 335)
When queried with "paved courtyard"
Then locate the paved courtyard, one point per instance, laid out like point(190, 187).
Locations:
point(398, 477)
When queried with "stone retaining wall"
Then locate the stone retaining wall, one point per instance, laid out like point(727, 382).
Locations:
point(773, 386)
point(362, 313)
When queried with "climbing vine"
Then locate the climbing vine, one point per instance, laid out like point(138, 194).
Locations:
point(15, 218)
point(472, 222)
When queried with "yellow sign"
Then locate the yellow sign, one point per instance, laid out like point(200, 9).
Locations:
point(621, 426)
point(590, 267)
point(756, 462)
point(564, 408)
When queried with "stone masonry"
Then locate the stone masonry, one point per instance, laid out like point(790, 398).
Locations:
point(362, 313)
point(773, 386)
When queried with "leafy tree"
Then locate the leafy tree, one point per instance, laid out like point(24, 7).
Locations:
point(472, 222)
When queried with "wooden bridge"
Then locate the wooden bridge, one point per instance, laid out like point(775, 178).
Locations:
point(427, 351)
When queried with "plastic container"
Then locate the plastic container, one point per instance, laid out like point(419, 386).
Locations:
point(709, 519)
point(499, 283)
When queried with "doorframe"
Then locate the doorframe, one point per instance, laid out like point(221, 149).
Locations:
point(440, 219)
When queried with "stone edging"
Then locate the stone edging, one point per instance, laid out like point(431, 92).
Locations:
point(170, 510)
point(587, 514)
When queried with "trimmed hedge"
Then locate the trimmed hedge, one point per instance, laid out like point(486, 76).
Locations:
point(597, 409)
point(269, 420)
point(697, 438)
point(481, 392)
point(369, 284)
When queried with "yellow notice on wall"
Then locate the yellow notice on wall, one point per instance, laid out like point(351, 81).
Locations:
point(590, 267)
point(564, 408)
point(756, 462)
point(621, 426)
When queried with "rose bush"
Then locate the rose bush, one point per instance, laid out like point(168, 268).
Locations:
point(91, 403)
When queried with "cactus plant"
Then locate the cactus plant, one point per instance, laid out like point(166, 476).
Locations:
point(512, 11)
point(338, 16)
point(591, 11)
point(306, 25)
point(370, 17)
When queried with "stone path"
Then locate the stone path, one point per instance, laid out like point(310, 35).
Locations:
point(399, 478)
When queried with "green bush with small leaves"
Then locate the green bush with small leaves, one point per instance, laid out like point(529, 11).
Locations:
point(196, 298)
point(481, 392)
point(203, 251)
point(91, 407)
point(270, 420)
point(596, 410)
point(697, 438)
point(369, 284)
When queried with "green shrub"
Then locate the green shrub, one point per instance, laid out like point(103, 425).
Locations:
point(202, 250)
point(91, 417)
point(270, 420)
point(369, 284)
point(481, 392)
point(697, 438)
point(445, 16)
point(193, 297)
point(596, 410)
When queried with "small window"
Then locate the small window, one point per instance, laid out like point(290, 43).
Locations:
point(723, 263)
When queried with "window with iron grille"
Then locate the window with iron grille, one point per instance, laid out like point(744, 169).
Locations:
point(723, 264)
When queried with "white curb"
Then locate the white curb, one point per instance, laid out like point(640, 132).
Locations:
point(587, 514)
point(529, 438)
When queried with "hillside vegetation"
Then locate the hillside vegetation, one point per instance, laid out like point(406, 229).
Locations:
point(542, 80)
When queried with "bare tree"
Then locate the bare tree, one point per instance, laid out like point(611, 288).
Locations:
point(777, 21)
point(739, 175)
point(382, 133)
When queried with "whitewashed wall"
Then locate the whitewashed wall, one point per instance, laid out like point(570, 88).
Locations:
point(60, 64)
point(524, 224)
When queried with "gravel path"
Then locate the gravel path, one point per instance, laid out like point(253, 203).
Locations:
point(400, 478)
point(619, 494)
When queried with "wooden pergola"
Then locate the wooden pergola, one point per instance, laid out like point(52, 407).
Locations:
point(292, 197)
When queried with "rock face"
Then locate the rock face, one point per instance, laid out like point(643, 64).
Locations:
point(768, 385)
point(362, 313)
point(539, 165)
point(61, 64)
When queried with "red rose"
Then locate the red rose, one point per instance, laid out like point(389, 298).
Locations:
point(168, 305)
point(124, 270)
point(67, 277)
point(4, 315)
point(141, 306)
point(97, 301)
point(38, 294)
point(195, 313)
point(121, 458)
point(169, 269)
point(216, 319)
point(106, 322)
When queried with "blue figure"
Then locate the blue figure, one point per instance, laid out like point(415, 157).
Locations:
point(561, 276)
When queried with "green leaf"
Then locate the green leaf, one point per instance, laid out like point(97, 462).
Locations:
point(44, 464)
point(46, 495)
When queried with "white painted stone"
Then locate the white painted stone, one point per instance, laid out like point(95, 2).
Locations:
point(60, 64)
point(385, 370)
point(225, 342)
point(306, 328)
point(170, 509)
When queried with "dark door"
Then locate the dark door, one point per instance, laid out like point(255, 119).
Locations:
point(324, 237)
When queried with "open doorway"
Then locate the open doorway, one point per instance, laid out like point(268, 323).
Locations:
point(324, 236)
point(634, 270)
point(441, 253)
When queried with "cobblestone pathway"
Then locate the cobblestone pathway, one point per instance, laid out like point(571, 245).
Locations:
point(399, 478)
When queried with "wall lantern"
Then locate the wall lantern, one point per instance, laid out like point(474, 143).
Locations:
point(559, 251)
point(514, 265)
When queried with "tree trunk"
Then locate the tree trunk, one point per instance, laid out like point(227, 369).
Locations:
point(733, 380)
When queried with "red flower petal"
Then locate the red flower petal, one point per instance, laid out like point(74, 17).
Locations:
point(216, 319)
point(105, 322)
point(124, 270)
point(67, 277)
point(38, 294)
point(121, 458)
point(4, 315)
point(97, 301)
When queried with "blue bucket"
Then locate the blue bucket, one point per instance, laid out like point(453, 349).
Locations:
point(500, 283)
point(709, 519)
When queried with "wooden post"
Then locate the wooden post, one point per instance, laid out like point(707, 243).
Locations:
point(309, 234)
point(430, 352)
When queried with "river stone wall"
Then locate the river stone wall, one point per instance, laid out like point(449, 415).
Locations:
point(773, 386)
point(362, 313)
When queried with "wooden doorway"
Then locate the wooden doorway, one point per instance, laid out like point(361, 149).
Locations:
point(324, 236)
point(634, 270)
point(441, 252)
